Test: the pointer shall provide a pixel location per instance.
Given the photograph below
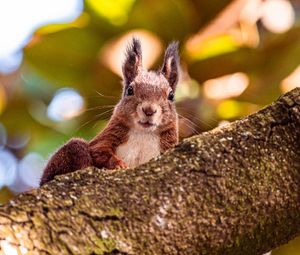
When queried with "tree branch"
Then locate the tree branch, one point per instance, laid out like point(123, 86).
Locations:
point(233, 190)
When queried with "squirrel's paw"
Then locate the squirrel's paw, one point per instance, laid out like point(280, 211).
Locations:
point(115, 163)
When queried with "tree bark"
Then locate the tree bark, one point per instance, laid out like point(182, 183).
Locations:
point(233, 190)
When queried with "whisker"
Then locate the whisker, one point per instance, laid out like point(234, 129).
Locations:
point(95, 118)
point(194, 130)
point(107, 118)
point(105, 96)
point(192, 125)
point(101, 114)
point(190, 121)
point(99, 107)
point(198, 119)
point(100, 95)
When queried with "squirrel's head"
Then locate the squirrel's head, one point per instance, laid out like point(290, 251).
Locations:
point(148, 96)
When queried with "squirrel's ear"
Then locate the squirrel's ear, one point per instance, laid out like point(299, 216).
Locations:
point(133, 61)
point(170, 68)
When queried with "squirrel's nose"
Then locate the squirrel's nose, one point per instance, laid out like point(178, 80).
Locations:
point(149, 111)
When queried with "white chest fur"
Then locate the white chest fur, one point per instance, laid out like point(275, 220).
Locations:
point(140, 148)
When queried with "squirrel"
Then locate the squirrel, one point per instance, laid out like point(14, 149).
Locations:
point(144, 123)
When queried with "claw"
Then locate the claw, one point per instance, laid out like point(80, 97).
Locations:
point(115, 163)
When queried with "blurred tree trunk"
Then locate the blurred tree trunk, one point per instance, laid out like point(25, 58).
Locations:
point(233, 190)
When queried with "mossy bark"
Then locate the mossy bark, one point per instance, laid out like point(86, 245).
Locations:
point(233, 190)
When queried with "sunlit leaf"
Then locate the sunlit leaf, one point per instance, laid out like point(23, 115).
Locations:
point(80, 22)
point(116, 12)
point(215, 46)
point(229, 109)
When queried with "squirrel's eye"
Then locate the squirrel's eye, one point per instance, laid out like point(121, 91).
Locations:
point(129, 91)
point(171, 96)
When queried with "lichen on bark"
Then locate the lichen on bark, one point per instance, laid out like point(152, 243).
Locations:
point(233, 190)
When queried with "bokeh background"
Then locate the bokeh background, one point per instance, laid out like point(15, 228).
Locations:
point(60, 67)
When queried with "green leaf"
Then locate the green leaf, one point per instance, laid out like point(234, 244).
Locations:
point(66, 57)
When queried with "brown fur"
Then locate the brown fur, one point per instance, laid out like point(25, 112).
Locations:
point(103, 147)
point(148, 110)
point(169, 137)
point(72, 156)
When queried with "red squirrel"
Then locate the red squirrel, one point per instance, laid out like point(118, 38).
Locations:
point(144, 123)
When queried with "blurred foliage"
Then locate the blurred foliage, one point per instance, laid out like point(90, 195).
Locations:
point(292, 248)
point(5, 194)
point(71, 55)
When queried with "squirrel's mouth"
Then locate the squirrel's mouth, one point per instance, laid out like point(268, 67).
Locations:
point(146, 124)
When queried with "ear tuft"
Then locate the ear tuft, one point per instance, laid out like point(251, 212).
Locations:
point(133, 61)
point(170, 68)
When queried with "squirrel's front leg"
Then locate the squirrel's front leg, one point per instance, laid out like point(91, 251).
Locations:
point(103, 146)
point(106, 158)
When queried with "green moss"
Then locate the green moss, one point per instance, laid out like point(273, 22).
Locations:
point(102, 246)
